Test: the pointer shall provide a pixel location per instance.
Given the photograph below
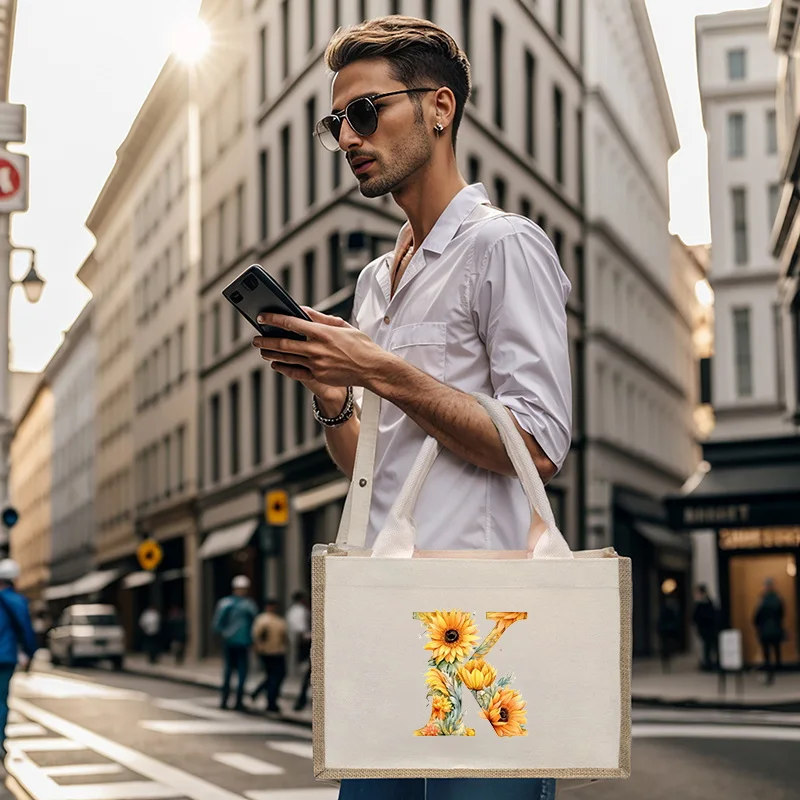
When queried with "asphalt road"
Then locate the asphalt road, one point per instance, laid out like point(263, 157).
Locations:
point(97, 735)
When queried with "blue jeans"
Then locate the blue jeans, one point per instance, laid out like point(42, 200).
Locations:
point(449, 789)
point(236, 657)
point(6, 672)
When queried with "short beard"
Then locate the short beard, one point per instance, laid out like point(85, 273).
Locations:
point(403, 162)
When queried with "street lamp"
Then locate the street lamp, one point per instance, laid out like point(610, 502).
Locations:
point(32, 283)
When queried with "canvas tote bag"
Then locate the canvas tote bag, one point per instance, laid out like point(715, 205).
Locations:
point(467, 663)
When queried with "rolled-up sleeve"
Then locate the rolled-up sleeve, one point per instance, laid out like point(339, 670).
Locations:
point(519, 307)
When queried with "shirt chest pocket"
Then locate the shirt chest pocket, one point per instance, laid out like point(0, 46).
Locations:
point(422, 344)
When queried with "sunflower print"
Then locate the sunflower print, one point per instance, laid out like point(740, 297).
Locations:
point(452, 634)
point(506, 712)
point(477, 674)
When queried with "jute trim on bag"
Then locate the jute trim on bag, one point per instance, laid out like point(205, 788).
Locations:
point(623, 770)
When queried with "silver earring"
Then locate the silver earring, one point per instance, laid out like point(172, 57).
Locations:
point(439, 128)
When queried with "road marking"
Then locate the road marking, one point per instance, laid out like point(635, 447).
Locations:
point(19, 729)
point(13, 716)
point(301, 749)
point(182, 782)
point(121, 790)
point(747, 732)
point(81, 770)
point(192, 709)
point(248, 764)
point(43, 745)
point(39, 684)
point(322, 793)
point(194, 727)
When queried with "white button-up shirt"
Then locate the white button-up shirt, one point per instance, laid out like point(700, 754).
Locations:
point(481, 307)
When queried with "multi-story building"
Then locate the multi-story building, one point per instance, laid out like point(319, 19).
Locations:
point(742, 503)
point(71, 376)
point(31, 485)
point(641, 378)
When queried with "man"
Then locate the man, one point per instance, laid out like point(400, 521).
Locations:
point(471, 300)
point(298, 620)
point(16, 634)
point(233, 621)
point(704, 617)
point(769, 624)
point(150, 623)
point(270, 638)
point(177, 630)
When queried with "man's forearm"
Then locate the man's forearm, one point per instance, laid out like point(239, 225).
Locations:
point(341, 441)
point(453, 417)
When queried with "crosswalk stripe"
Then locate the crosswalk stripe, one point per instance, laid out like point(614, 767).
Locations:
point(692, 731)
point(195, 727)
point(248, 764)
point(192, 708)
point(43, 745)
point(321, 793)
point(81, 770)
point(301, 749)
point(122, 790)
point(17, 730)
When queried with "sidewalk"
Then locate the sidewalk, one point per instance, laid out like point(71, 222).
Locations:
point(685, 685)
point(208, 673)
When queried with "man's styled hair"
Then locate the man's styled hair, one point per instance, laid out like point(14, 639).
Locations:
point(419, 54)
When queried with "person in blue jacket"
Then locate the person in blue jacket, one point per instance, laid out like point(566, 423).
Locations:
point(16, 634)
point(233, 621)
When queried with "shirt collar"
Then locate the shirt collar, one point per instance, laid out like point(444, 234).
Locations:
point(450, 220)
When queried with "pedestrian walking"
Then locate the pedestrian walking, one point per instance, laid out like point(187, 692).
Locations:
point(768, 620)
point(705, 617)
point(298, 619)
point(270, 637)
point(177, 633)
point(150, 623)
point(233, 621)
point(669, 628)
point(16, 637)
point(472, 299)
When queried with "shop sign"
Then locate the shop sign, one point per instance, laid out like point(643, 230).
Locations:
point(759, 538)
point(711, 515)
point(730, 650)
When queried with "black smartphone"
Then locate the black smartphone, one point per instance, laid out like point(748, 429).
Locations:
point(256, 292)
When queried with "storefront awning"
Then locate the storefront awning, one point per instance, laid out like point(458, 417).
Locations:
point(662, 537)
point(227, 540)
point(136, 579)
point(88, 584)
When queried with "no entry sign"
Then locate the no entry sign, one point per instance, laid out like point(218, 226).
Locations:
point(13, 182)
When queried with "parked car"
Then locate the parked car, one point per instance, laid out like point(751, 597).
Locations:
point(87, 633)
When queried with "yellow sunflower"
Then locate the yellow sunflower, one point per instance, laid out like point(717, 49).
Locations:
point(435, 680)
point(506, 712)
point(453, 634)
point(477, 674)
point(440, 707)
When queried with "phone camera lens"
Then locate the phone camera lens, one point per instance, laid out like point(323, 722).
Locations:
point(250, 282)
point(237, 297)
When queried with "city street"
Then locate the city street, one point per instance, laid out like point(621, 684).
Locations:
point(97, 735)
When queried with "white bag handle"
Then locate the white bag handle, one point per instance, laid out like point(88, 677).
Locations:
point(355, 516)
point(396, 540)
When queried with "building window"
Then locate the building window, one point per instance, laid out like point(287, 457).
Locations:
point(337, 14)
point(214, 421)
point(221, 235)
point(240, 217)
point(278, 386)
point(167, 362)
point(167, 465)
point(737, 65)
point(736, 135)
point(777, 324)
point(286, 172)
point(772, 133)
point(429, 10)
point(558, 242)
point(336, 160)
point(541, 221)
point(558, 134)
point(466, 26)
point(525, 207)
point(167, 268)
point(285, 38)
point(560, 18)
point(742, 354)
point(263, 164)
point(362, 10)
point(312, 23)
point(310, 269)
point(285, 278)
point(181, 457)
point(255, 406)
point(497, 70)
point(299, 412)
point(336, 278)
point(740, 244)
point(236, 323)
point(216, 330)
point(473, 169)
point(311, 151)
point(181, 365)
point(499, 192)
point(233, 402)
point(774, 201)
point(530, 103)
point(262, 65)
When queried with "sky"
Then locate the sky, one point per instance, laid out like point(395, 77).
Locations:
point(83, 69)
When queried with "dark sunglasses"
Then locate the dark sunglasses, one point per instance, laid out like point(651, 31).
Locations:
point(361, 114)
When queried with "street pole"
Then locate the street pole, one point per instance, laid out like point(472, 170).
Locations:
point(6, 423)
